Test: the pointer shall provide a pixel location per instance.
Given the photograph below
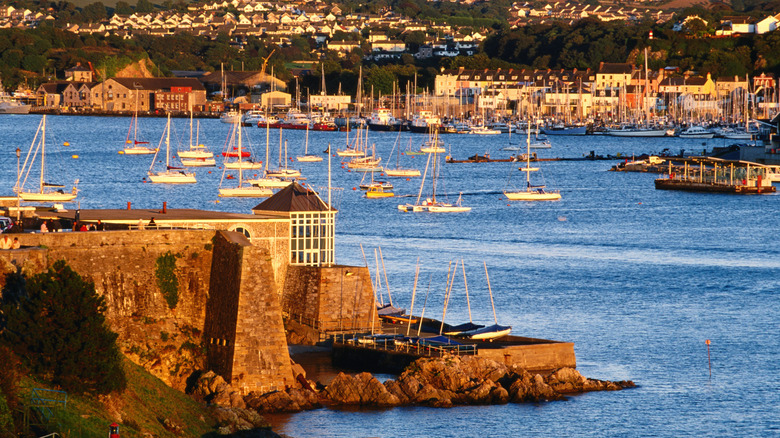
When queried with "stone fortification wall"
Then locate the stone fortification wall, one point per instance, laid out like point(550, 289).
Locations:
point(251, 355)
point(166, 339)
point(334, 299)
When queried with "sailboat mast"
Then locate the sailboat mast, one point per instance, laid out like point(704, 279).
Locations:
point(435, 159)
point(267, 139)
point(43, 149)
point(168, 144)
point(528, 158)
point(190, 126)
point(240, 166)
point(466, 285)
point(414, 292)
point(490, 291)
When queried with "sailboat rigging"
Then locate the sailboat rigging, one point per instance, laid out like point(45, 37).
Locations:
point(531, 192)
point(431, 204)
point(197, 155)
point(135, 146)
point(242, 189)
point(47, 192)
point(171, 175)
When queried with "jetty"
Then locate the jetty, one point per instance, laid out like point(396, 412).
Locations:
point(390, 351)
point(719, 176)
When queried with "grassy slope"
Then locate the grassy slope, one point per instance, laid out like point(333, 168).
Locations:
point(139, 409)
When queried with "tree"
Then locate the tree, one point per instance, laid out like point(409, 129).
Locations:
point(123, 8)
point(94, 12)
point(144, 6)
point(57, 326)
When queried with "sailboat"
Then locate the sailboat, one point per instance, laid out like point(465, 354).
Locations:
point(243, 189)
point(197, 155)
point(47, 192)
point(306, 157)
point(398, 171)
point(431, 204)
point(433, 145)
point(490, 332)
point(467, 326)
point(531, 193)
point(171, 175)
point(134, 146)
point(238, 158)
point(283, 171)
point(266, 180)
point(352, 150)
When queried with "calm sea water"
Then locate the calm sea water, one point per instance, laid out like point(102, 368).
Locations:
point(637, 278)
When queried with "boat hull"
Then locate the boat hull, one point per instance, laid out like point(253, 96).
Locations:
point(198, 162)
point(309, 158)
point(244, 165)
point(139, 150)
point(172, 178)
point(46, 197)
point(246, 192)
point(579, 130)
point(401, 173)
point(532, 196)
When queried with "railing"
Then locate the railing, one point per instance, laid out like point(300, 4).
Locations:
point(42, 402)
point(403, 344)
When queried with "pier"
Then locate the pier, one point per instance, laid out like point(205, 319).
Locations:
point(391, 352)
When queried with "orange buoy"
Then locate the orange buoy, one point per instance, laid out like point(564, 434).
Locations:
point(354, 188)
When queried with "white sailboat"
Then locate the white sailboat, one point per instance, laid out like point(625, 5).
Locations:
point(243, 189)
point(306, 157)
point(197, 155)
point(531, 193)
point(266, 180)
point(398, 171)
point(235, 158)
point(171, 175)
point(135, 146)
point(432, 205)
point(47, 192)
point(351, 150)
point(490, 332)
point(283, 171)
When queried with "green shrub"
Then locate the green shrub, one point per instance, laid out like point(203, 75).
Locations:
point(58, 328)
point(166, 278)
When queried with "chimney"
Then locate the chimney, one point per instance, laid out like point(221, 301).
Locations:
point(128, 205)
point(165, 207)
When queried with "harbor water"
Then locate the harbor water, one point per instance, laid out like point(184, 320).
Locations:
point(637, 278)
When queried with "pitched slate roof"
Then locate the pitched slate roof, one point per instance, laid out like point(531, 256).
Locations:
point(292, 198)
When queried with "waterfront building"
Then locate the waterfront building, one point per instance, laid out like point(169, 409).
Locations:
point(124, 94)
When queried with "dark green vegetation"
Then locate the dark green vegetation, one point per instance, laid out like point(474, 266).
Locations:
point(165, 271)
point(36, 56)
point(53, 335)
point(55, 323)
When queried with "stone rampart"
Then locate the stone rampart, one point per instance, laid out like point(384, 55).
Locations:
point(164, 332)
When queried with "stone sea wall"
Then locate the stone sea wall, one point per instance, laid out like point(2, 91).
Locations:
point(158, 286)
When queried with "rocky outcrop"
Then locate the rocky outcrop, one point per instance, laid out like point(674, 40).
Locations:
point(362, 389)
point(449, 381)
